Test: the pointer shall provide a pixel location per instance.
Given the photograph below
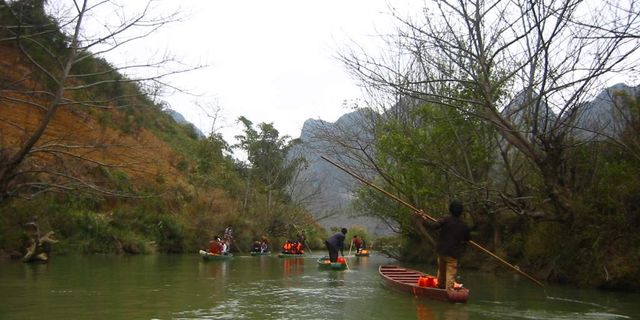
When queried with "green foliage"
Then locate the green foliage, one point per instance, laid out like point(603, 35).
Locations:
point(429, 154)
point(119, 179)
point(210, 154)
point(182, 165)
point(167, 232)
point(361, 232)
point(267, 153)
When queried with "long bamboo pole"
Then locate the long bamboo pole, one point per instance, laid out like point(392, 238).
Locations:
point(430, 218)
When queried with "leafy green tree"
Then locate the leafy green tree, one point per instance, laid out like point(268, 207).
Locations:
point(428, 155)
point(267, 155)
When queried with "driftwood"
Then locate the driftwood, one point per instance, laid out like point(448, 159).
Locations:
point(39, 247)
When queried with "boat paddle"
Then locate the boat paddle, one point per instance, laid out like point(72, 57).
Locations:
point(236, 245)
point(425, 216)
point(308, 248)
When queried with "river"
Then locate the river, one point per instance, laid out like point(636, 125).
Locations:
point(268, 287)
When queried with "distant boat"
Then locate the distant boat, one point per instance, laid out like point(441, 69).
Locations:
point(325, 263)
point(362, 253)
point(407, 280)
point(258, 253)
point(290, 255)
point(213, 256)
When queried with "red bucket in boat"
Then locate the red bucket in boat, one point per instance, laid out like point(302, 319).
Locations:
point(341, 260)
point(423, 281)
point(432, 282)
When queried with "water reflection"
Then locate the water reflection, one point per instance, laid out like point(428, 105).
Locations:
point(423, 312)
point(33, 270)
point(220, 270)
point(360, 261)
point(336, 278)
point(292, 266)
point(215, 269)
point(440, 311)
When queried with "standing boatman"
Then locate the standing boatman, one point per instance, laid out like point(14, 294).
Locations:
point(335, 243)
point(454, 235)
point(357, 243)
point(227, 236)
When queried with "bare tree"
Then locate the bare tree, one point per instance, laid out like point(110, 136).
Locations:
point(60, 68)
point(529, 68)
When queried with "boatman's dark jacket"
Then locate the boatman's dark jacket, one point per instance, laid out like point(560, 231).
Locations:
point(453, 238)
point(337, 240)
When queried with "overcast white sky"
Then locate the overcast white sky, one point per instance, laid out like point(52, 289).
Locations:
point(270, 61)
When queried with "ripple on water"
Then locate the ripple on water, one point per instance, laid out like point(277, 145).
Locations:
point(507, 311)
point(269, 300)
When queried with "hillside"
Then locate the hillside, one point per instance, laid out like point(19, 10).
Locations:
point(113, 171)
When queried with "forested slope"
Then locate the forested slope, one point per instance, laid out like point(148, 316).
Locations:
point(91, 154)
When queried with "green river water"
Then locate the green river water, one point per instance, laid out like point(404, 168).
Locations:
point(268, 287)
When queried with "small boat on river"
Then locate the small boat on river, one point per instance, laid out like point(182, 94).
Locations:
point(213, 256)
point(362, 253)
point(258, 253)
point(325, 263)
point(290, 255)
point(411, 281)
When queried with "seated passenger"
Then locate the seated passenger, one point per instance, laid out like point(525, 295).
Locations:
point(224, 247)
point(264, 244)
point(256, 247)
point(214, 245)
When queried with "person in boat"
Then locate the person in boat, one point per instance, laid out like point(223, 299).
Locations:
point(296, 247)
point(264, 244)
point(228, 233)
point(227, 237)
point(452, 240)
point(224, 247)
point(286, 247)
point(335, 243)
point(301, 237)
point(358, 243)
point(256, 247)
point(215, 245)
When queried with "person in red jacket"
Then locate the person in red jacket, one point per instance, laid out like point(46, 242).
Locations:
point(358, 243)
point(215, 246)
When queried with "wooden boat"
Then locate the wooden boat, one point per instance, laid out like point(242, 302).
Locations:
point(362, 253)
point(258, 253)
point(407, 280)
point(290, 255)
point(212, 256)
point(325, 263)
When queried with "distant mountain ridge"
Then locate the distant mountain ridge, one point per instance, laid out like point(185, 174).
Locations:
point(180, 119)
point(607, 115)
point(332, 189)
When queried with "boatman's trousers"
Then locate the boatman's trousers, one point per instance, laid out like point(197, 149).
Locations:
point(447, 269)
